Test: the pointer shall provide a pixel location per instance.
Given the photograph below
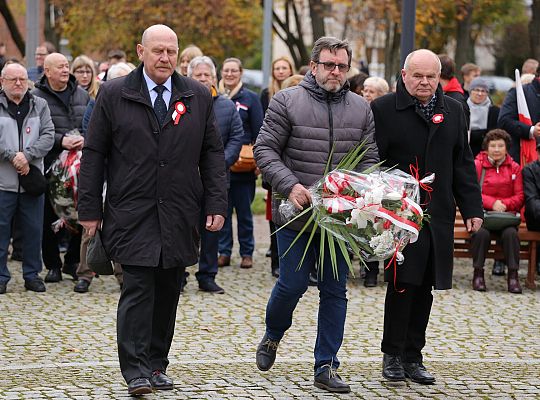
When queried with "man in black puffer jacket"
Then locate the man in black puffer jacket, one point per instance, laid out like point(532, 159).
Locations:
point(67, 102)
point(302, 125)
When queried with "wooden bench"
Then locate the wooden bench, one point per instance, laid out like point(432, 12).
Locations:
point(527, 251)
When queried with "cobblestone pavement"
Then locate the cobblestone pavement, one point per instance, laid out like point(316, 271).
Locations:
point(61, 344)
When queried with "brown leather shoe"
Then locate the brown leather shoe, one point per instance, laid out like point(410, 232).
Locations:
point(513, 281)
point(478, 282)
point(247, 262)
point(223, 261)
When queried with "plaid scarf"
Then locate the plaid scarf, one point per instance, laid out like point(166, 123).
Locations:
point(427, 109)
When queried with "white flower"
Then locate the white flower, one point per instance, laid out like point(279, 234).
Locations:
point(383, 244)
point(393, 196)
point(359, 218)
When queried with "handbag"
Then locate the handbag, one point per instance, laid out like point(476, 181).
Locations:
point(33, 183)
point(498, 220)
point(97, 258)
point(246, 160)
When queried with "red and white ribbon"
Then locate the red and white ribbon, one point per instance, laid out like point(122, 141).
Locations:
point(179, 110)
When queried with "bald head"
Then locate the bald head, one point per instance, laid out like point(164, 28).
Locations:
point(157, 31)
point(158, 51)
point(56, 69)
point(421, 73)
point(422, 56)
point(14, 67)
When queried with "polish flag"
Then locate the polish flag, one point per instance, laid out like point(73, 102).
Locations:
point(528, 146)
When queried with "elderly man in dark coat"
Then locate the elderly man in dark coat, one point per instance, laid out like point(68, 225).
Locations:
point(419, 125)
point(155, 133)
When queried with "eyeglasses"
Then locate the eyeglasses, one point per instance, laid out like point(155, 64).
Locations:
point(13, 80)
point(479, 91)
point(230, 71)
point(83, 72)
point(41, 54)
point(330, 66)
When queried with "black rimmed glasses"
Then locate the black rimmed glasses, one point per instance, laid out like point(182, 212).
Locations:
point(330, 66)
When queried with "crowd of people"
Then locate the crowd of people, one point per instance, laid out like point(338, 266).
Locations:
point(179, 142)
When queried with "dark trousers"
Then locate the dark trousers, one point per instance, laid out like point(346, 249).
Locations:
point(293, 283)
point(208, 256)
point(406, 317)
point(480, 242)
point(273, 246)
point(28, 210)
point(241, 195)
point(49, 246)
point(146, 317)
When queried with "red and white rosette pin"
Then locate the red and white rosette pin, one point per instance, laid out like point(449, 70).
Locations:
point(437, 118)
point(179, 110)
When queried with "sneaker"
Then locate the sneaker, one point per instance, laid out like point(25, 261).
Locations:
point(210, 286)
point(266, 353)
point(329, 380)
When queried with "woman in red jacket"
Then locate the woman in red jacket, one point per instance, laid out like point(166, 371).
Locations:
point(502, 190)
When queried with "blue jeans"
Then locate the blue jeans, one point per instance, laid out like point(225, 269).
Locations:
point(208, 256)
point(293, 283)
point(29, 212)
point(241, 195)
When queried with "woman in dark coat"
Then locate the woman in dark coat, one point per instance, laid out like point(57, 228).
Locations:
point(483, 114)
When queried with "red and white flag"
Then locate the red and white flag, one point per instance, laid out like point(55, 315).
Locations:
point(528, 146)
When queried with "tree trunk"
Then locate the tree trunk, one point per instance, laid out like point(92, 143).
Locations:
point(464, 41)
point(295, 43)
point(12, 26)
point(317, 12)
point(534, 30)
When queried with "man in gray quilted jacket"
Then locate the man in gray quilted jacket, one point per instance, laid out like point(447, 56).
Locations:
point(301, 126)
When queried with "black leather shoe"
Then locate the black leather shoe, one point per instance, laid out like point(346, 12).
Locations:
point(54, 275)
point(393, 368)
point(331, 381)
point(71, 269)
point(371, 279)
point(268, 253)
point(313, 281)
point(3, 288)
point(210, 286)
point(36, 285)
point(139, 386)
point(498, 268)
point(160, 381)
point(266, 353)
point(275, 272)
point(416, 372)
point(81, 286)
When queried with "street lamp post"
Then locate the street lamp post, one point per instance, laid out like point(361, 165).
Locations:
point(408, 22)
point(267, 41)
point(32, 31)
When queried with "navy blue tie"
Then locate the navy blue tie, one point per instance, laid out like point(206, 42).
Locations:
point(160, 108)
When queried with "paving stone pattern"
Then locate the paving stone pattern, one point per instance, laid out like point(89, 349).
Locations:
point(61, 344)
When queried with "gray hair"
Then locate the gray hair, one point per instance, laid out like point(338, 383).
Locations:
point(412, 53)
point(330, 43)
point(378, 83)
point(235, 60)
point(201, 60)
point(119, 69)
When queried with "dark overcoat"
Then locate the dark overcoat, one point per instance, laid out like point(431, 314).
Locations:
point(157, 176)
point(404, 136)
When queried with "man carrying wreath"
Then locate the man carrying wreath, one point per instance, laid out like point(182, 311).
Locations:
point(301, 127)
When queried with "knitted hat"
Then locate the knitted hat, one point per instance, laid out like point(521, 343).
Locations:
point(479, 83)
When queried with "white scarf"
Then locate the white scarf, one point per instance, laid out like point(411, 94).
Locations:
point(479, 113)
